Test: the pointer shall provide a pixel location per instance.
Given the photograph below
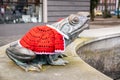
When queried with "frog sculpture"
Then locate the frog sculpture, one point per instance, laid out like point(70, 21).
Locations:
point(45, 44)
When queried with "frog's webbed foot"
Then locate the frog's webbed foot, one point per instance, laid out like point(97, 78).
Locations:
point(56, 59)
point(32, 67)
point(62, 55)
point(60, 61)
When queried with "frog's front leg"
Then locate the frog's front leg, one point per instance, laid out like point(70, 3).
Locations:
point(57, 59)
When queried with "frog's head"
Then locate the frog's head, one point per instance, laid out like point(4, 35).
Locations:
point(72, 25)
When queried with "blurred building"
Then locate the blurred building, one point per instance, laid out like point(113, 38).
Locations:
point(111, 5)
point(26, 11)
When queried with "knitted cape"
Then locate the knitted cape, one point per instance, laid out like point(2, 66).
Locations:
point(43, 40)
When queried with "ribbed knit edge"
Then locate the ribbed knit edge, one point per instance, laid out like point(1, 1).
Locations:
point(58, 31)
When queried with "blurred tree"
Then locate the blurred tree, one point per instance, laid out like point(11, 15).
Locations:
point(1, 2)
point(106, 13)
point(93, 5)
point(105, 4)
point(118, 8)
point(37, 2)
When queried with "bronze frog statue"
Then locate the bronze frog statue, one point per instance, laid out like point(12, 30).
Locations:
point(45, 44)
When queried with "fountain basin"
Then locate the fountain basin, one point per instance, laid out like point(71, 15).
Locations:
point(103, 51)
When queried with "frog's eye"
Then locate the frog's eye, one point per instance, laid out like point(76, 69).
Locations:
point(73, 19)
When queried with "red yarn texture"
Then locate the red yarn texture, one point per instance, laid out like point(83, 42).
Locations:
point(43, 39)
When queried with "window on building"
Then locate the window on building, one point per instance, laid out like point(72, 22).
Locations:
point(21, 11)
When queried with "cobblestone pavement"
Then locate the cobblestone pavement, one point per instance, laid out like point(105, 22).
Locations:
point(6, 40)
point(106, 21)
